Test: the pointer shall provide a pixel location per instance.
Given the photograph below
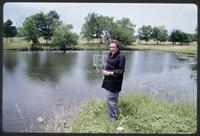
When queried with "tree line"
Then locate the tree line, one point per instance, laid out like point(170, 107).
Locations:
point(160, 34)
point(51, 28)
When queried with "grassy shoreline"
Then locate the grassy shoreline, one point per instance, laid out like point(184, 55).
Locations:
point(137, 114)
point(186, 50)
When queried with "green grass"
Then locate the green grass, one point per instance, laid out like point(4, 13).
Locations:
point(137, 114)
point(21, 44)
point(190, 50)
point(16, 44)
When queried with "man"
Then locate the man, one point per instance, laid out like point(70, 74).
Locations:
point(113, 77)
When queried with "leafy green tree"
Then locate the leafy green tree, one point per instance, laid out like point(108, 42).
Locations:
point(191, 37)
point(64, 37)
point(90, 28)
point(123, 31)
point(175, 36)
point(104, 27)
point(156, 33)
point(86, 32)
point(29, 30)
point(8, 29)
point(145, 33)
point(46, 23)
point(39, 25)
point(108, 25)
point(94, 27)
point(179, 36)
point(163, 34)
point(159, 34)
point(184, 38)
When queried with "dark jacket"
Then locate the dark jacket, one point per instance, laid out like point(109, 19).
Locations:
point(115, 63)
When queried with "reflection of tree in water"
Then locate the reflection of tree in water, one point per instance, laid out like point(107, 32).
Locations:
point(52, 67)
point(10, 61)
point(192, 61)
point(181, 59)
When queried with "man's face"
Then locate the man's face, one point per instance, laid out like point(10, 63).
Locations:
point(113, 48)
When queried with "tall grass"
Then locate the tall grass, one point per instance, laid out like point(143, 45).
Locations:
point(15, 44)
point(137, 114)
point(61, 121)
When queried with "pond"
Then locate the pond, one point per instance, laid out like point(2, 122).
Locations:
point(35, 83)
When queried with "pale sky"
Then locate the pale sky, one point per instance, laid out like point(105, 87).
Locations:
point(172, 16)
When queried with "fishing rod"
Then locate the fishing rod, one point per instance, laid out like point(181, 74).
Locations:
point(102, 61)
point(100, 52)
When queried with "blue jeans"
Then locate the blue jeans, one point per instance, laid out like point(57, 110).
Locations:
point(112, 99)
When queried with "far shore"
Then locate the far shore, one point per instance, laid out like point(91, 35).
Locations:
point(186, 50)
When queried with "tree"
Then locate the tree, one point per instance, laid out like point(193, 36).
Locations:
point(145, 33)
point(104, 27)
point(184, 38)
point(8, 29)
point(89, 27)
point(175, 36)
point(64, 37)
point(163, 36)
point(191, 37)
point(159, 34)
point(156, 33)
point(46, 23)
point(30, 31)
point(179, 36)
point(86, 32)
point(123, 31)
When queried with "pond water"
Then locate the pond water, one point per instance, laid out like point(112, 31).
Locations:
point(36, 83)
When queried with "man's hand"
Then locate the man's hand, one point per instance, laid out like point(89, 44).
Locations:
point(106, 73)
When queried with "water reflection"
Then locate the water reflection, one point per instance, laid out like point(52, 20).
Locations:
point(10, 61)
point(47, 67)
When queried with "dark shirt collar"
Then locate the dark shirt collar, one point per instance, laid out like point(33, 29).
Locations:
point(114, 55)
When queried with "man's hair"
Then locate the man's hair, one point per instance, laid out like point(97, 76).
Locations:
point(116, 42)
